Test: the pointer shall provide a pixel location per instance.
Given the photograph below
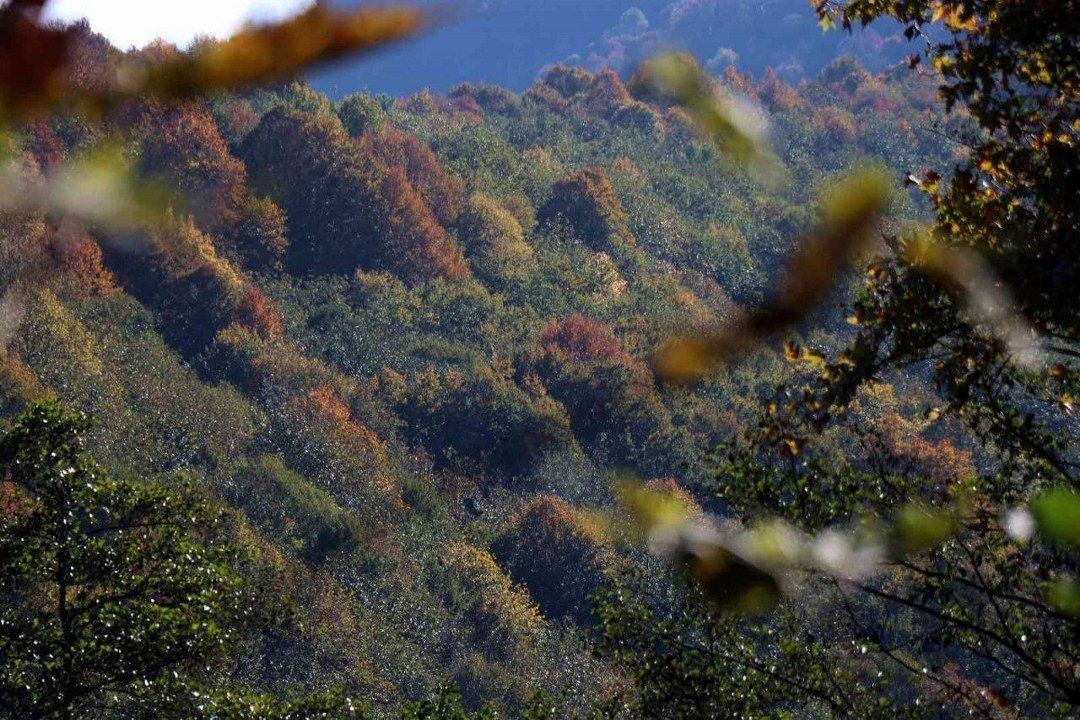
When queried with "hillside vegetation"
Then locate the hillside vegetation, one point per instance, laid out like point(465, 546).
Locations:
point(371, 411)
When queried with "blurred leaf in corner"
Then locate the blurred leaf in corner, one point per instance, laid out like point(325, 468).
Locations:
point(849, 217)
point(33, 57)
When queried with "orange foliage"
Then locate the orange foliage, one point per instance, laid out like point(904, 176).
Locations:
point(323, 412)
point(778, 95)
point(257, 312)
point(443, 192)
point(837, 125)
point(328, 403)
point(237, 119)
point(899, 442)
point(489, 97)
point(78, 258)
point(346, 209)
point(583, 339)
point(418, 247)
point(741, 83)
point(184, 144)
point(607, 94)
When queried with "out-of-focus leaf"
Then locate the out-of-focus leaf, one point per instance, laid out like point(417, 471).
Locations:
point(987, 299)
point(32, 58)
point(917, 528)
point(268, 52)
point(730, 577)
point(1057, 516)
point(849, 216)
point(732, 582)
point(734, 127)
point(651, 508)
point(1064, 594)
point(99, 187)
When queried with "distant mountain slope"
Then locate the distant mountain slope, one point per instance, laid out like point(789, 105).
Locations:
point(509, 42)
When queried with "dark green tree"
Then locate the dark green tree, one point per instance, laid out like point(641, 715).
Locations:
point(108, 586)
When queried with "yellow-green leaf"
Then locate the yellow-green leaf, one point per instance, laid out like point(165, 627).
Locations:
point(1057, 516)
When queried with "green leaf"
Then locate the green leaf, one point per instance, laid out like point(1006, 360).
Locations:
point(920, 528)
point(1057, 516)
point(1064, 594)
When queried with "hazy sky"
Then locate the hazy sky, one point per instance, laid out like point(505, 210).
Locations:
point(137, 22)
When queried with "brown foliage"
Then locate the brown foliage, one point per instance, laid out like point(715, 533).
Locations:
point(607, 94)
point(899, 445)
point(583, 339)
point(78, 257)
point(255, 311)
point(836, 126)
point(346, 209)
point(443, 192)
point(183, 143)
point(778, 95)
point(417, 246)
point(237, 119)
point(489, 97)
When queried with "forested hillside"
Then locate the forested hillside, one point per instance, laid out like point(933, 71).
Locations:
point(406, 346)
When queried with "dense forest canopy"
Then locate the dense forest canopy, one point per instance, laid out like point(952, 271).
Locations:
point(651, 387)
